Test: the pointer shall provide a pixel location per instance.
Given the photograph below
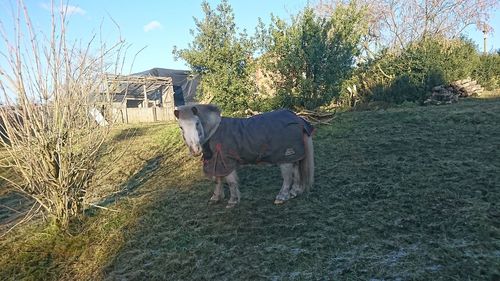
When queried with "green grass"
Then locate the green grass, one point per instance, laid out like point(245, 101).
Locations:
point(408, 193)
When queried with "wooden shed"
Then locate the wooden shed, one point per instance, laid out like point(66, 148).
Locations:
point(139, 99)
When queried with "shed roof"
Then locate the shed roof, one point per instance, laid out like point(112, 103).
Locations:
point(184, 82)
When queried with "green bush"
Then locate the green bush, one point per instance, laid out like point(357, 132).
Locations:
point(411, 74)
point(312, 56)
point(488, 72)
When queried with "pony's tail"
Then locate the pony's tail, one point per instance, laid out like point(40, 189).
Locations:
point(306, 165)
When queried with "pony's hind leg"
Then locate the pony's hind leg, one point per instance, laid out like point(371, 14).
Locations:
point(296, 188)
point(218, 191)
point(232, 181)
point(287, 174)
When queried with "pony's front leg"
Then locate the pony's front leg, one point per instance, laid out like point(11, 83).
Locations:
point(232, 181)
point(218, 191)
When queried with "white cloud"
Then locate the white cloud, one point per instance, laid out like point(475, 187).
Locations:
point(69, 9)
point(152, 26)
point(45, 6)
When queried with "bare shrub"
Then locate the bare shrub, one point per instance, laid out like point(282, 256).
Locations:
point(50, 92)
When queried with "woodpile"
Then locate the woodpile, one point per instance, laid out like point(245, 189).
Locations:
point(446, 94)
point(467, 88)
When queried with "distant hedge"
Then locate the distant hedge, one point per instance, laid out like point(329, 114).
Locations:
point(488, 72)
point(411, 74)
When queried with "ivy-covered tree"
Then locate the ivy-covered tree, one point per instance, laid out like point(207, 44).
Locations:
point(312, 55)
point(222, 55)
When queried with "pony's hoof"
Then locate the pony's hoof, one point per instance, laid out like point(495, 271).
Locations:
point(213, 201)
point(279, 202)
point(295, 192)
point(230, 205)
point(294, 195)
point(281, 199)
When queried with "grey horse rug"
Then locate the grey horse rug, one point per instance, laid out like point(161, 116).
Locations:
point(273, 137)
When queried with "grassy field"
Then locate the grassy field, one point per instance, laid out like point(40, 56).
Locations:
point(407, 193)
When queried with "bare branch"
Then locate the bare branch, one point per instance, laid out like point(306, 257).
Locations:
point(400, 22)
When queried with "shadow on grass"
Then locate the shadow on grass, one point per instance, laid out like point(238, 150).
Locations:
point(134, 182)
point(128, 133)
point(13, 207)
point(49, 254)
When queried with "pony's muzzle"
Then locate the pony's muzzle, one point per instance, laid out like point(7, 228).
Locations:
point(195, 151)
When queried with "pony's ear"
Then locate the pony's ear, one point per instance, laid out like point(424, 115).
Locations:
point(213, 108)
point(176, 113)
point(194, 110)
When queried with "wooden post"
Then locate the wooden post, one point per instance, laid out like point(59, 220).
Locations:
point(484, 41)
point(126, 113)
point(168, 101)
point(164, 94)
point(145, 102)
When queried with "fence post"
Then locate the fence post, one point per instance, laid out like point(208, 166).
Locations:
point(168, 102)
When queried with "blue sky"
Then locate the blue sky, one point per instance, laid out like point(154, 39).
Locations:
point(156, 25)
point(159, 25)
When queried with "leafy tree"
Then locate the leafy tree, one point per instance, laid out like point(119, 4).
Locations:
point(222, 56)
point(312, 55)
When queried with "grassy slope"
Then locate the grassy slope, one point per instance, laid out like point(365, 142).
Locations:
point(406, 193)
point(144, 156)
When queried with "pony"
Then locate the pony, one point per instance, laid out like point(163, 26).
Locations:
point(278, 137)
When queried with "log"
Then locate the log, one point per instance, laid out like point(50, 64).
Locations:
point(474, 88)
point(464, 84)
point(251, 112)
point(469, 87)
point(445, 94)
point(471, 91)
point(315, 117)
point(463, 81)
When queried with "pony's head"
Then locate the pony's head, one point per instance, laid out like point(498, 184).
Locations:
point(197, 123)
